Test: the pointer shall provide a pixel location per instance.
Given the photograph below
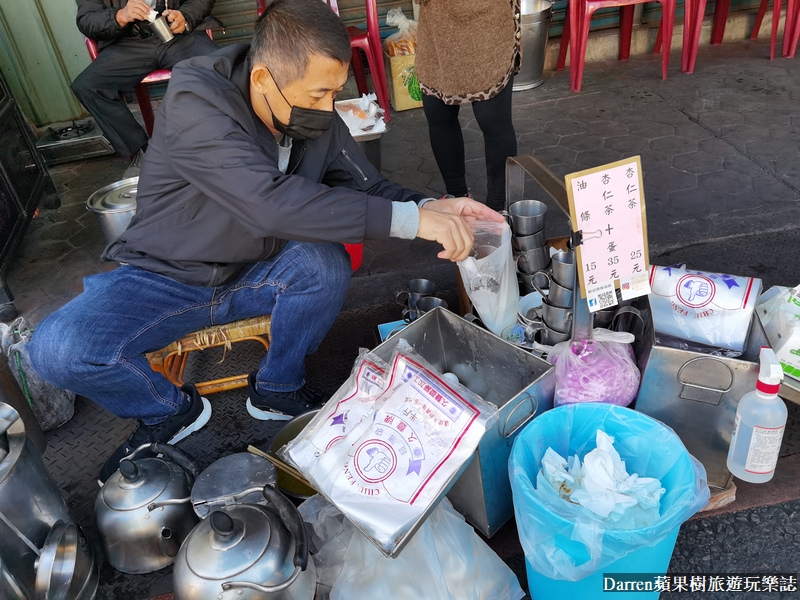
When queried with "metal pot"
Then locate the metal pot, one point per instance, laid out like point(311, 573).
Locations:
point(247, 552)
point(142, 510)
point(66, 569)
point(229, 480)
point(114, 206)
point(289, 485)
point(30, 503)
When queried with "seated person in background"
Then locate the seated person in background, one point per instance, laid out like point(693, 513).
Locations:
point(249, 185)
point(128, 52)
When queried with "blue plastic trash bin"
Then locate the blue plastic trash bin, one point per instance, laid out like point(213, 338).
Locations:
point(568, 549)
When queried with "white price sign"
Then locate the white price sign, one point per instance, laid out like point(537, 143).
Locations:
point(607, 207)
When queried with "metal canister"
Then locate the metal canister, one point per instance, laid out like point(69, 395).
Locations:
point(535, 25)
point(24, 526)
point(114, 206)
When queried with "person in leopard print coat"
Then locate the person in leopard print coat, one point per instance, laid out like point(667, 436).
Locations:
point(468, 51)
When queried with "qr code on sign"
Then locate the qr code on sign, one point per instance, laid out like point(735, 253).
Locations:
point(601, 296)
point(606, 299)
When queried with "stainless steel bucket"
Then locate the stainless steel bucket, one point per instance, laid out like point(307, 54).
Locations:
point(114, 206)
point(30, 503)
point(519, 383)
point(695, 393)
point(535, 24)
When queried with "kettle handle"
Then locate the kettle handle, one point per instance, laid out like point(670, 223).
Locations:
point(179, 457)
point(290, 517)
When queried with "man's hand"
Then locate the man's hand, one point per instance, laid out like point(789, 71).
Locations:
point(445, 221)
point(449, 230)
point(177, 22)
point(467, 208)
point(135, 10)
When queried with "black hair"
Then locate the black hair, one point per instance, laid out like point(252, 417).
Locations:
point(290, 31)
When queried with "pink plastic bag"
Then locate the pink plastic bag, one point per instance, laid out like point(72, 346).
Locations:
point(594, 371)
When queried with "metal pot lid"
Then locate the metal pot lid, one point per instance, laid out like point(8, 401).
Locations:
point(118, 196)
point(137, 483)
point(236, 539)
point(217, 485)
point(56, 564)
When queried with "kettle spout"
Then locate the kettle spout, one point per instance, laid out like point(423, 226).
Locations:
point(169, 543)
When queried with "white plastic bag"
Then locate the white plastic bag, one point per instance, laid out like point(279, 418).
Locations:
point(490, 277)
point(706, 308)
point(779, 311)
point(397, 461)
point(602, 485)
point(404, 42)
point(445, 560)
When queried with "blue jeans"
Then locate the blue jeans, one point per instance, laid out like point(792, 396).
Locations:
point(95, 344)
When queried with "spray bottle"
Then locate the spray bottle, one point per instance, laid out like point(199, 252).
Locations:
point(760, 421)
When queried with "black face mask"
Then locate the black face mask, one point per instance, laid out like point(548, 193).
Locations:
point(304, 123)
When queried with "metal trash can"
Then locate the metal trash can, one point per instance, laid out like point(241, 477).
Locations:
point(535, 21)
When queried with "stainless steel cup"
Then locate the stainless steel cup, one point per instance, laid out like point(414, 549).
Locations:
point(423, 305)
point(534, 260)
point(529, 242)
point(540, 278)
point(417, 288)
point(550, 337)
point(527, 217)
point(556, 317)
point(557, 294)
point(563, 268)
point(161, 27)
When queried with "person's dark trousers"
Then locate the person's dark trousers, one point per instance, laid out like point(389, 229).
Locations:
point(118, 68)
point(500, 140)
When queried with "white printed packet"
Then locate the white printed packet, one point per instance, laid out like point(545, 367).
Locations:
point(398, 461)
point(344, 411)
point(707, 308)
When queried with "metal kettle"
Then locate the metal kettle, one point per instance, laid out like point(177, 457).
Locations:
point(142, 511)
point(247, 552)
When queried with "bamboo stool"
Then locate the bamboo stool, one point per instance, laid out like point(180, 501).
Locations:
point(171, 361)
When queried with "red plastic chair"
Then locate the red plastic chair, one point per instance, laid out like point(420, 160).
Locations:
point(792, 30)
point(788, 30)
point(142, 95)
point(692, 23)
point(370, 42)
point(576, 27)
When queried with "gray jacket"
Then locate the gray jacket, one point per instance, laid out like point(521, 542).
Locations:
point(211, 197)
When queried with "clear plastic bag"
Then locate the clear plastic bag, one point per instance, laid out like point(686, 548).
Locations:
point(390, 468)
point(490, 277)
point(594, 371)
point(446, 560)
point(566, 541)
point(52, 406)
point(707, 308)
point(404, 42)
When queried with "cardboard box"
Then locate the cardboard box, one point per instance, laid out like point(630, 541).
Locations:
point(404, 92)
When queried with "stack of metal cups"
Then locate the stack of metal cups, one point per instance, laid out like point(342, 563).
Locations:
point(418, 299)
point(529, 241)
point(557, 299)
